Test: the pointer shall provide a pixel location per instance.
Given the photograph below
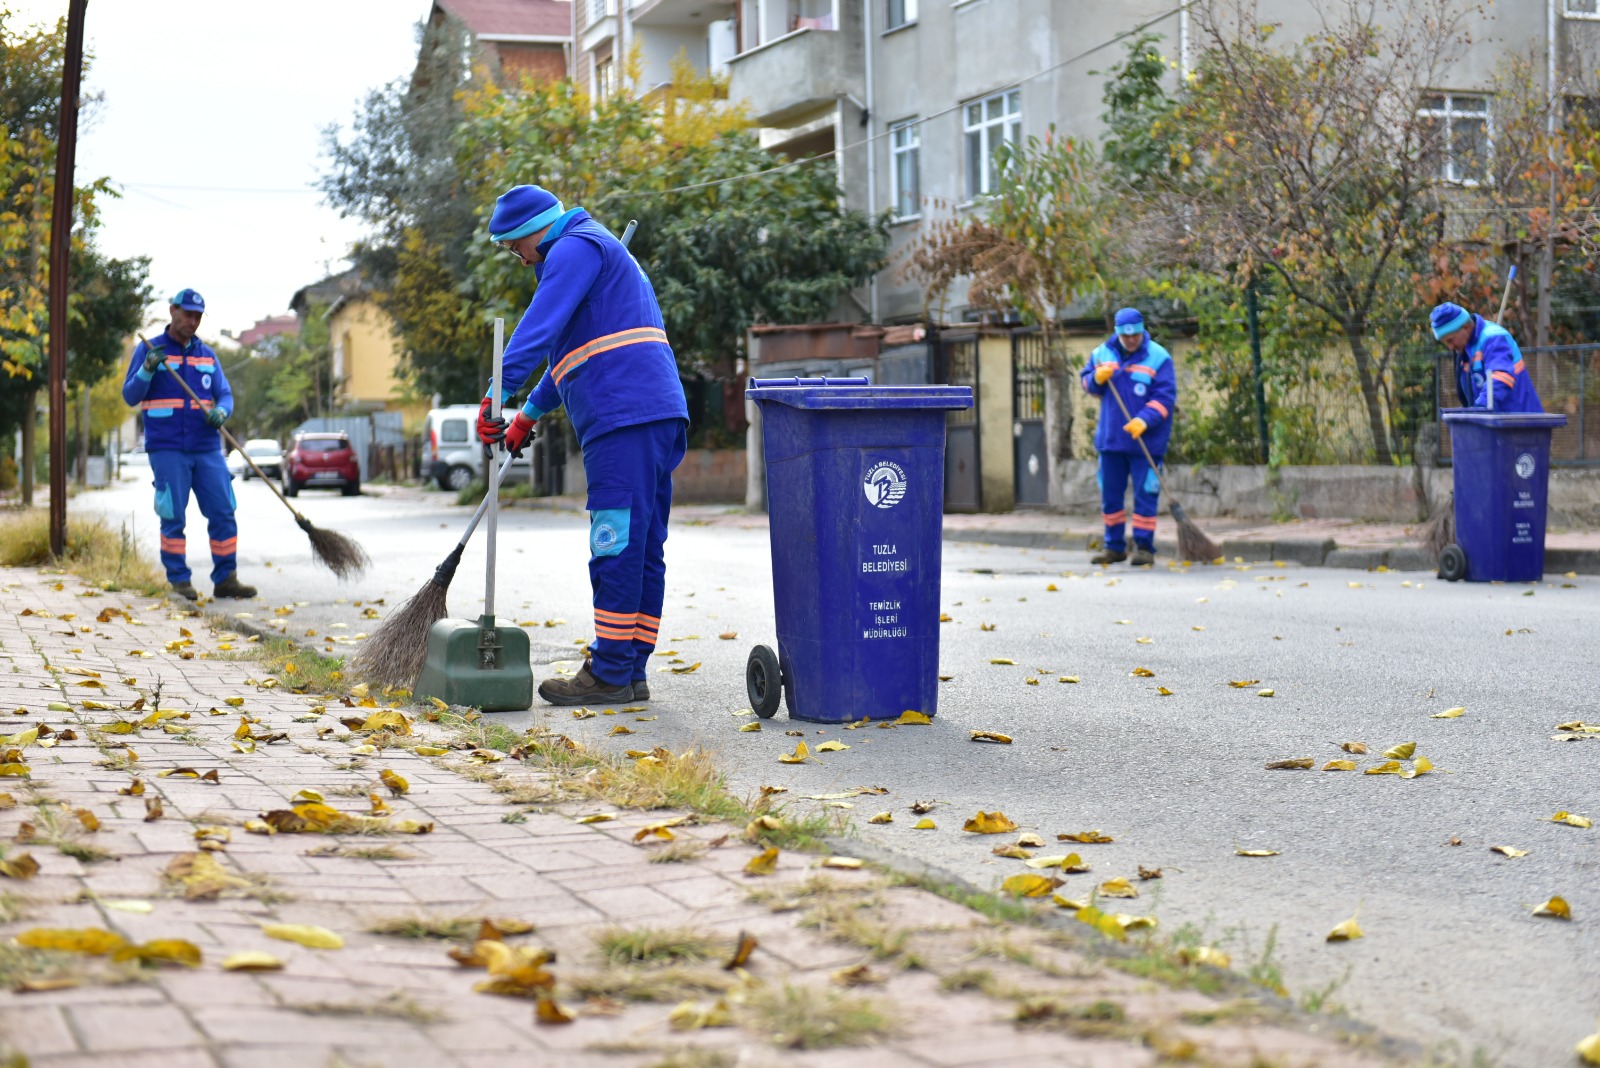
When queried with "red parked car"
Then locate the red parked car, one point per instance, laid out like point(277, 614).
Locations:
point(321, 460)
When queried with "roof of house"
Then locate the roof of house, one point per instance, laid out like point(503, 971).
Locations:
point(533, 18)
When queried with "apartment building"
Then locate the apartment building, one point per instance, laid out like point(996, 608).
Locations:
point(910, 97)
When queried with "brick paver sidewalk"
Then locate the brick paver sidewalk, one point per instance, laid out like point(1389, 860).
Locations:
point(923, 980)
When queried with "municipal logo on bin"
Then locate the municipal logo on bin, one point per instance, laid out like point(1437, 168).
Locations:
point(1525, 465)
point(885, 484)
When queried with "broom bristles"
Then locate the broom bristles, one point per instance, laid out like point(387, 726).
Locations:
point(1440, 528)
point(337, 552)
point(1192, 541)
point(395, 653)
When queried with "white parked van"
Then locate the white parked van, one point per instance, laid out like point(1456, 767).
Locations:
point(454, 456)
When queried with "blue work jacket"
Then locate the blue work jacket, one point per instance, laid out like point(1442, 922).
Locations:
point(595, 324)
point(1147, 383)
point(1493, 351)
point(171, 420)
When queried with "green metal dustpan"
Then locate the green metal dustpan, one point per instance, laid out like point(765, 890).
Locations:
point(481, 663)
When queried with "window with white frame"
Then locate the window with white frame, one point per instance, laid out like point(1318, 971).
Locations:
point(988, 123)
point(605, 78)
point(1457, 137)
point(599, 9)
point(905, 155)
point(1583, 9)
point(901, 12)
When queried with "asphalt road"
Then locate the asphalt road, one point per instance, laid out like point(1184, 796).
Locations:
point(1451, 958)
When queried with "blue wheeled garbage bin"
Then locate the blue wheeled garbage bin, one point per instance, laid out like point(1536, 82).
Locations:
point(855, 492)
point(1502, 479)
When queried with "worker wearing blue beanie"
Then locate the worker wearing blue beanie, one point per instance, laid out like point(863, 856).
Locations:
point(1486, 354)
point(595, 326)
point(1141, 372)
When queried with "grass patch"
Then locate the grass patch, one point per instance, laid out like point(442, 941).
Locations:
point(981, 980)
point(422, 926)
point(1096, 1019)
point(678, 852)
point(299, 669)
point(376, 851)
point(15, 907)
point(396, 1005)
point(850, 917)
point(652, 945)
point(55, 826)
point(101, 555)
point(672, 982)
point(808, 1017)
point(1006, 909)
point(22, 966)
point(692, 1057)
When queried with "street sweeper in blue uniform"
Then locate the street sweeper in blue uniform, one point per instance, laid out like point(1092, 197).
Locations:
point(1486, 355)
point(1142, 374)
point(596, 327)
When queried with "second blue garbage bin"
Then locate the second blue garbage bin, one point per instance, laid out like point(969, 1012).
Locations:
point(855, 492)
point(1502, 480)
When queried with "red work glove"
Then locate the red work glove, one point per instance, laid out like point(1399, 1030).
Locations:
point(519, 433)
point(1136, 427)
point(491, 429)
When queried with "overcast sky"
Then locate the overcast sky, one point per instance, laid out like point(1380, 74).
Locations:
point(211, 124)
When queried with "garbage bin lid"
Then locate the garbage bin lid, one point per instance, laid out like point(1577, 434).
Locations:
point(820, 393)
point(1507, 420)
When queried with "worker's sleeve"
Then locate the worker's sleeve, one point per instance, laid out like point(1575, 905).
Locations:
point(568, 275)
point(1499, 370)
point(1163, 396)
point(221, 392)
point(543, 400)
point(1090, 386)
point(137, 383)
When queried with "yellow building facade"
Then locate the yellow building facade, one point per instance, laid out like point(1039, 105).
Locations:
point(366, 354)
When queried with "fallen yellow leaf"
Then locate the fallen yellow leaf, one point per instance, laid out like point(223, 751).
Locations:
point(598, 817)
point(1421, 766)
point(251, 960)
point(1508, 851)
point(882, 817)
point(1339, 765)
point(1556, 907)
point(1003, 661)
point(912, 718)
point(1266, 693)
point(1208, 955)
point(394, 782)
point(304, 934)
point(1449, 713)
point(1142, 673)
point(800, 755)
point(1346, 931)
point(924, 824)
point(832, 747)
point(94, 941)
point(1086, 838)
point(1239, 684)
point(1296, 764)
point(1388, 767)
point(991, 736)
point(1571, 819)
point(989, 823)
point(847, 863)
point(1402, 751)
point(1068, 678)
point(1028, 885)
point(763, 863)
point(170, 950)
point(1118, 887)
point(1256, 853)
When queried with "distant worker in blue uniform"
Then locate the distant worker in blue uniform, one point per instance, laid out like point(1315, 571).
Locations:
point(185, 450)
point(1142, 374)
point(595, 325)
point(1486, 353)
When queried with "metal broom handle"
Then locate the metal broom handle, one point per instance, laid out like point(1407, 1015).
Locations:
point(494, 470)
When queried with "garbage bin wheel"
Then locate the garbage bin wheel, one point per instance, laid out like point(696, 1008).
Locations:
point(1452, 563)
point(763, 680)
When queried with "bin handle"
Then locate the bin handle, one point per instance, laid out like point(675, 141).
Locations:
point(761, 383)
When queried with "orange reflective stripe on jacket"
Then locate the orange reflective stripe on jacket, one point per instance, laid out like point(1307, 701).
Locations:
point(577, 356)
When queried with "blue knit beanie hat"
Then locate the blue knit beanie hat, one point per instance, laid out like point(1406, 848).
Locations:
point(1129, 321)
point(522, 210)
point(1447, 319)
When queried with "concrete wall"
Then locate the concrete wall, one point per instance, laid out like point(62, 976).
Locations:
point(711, 476)
point(996, 450)
point(1382, 494)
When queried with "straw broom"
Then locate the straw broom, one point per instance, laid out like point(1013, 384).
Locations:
point(1439, 529)
point(397, 650)
point(337, 552)
point(1192, 541)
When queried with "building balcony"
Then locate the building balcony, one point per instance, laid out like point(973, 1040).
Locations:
point(794, 74)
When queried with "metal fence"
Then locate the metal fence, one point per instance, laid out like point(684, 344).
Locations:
point(366, 432)
point(1568, 380)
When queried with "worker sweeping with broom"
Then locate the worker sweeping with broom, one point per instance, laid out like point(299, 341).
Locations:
point(1137, 374)
point(595, 324)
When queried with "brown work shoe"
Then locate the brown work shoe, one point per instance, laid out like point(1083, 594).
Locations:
point(1143, 557)
point(1108, 556)
point(186, 590)
point(584, 689)
point(232, 587)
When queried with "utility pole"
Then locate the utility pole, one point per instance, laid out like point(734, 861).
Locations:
point(60, 249)
point(1547, 252)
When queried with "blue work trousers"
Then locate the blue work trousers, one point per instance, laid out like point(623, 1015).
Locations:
point(630, 497)
point(1116, 470)
point(206, 473)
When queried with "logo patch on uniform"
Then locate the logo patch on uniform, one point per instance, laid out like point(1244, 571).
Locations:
point(205, 380)
point(885, 484)
point(1525, 465)
point(605, 536)
point(1138, 389)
